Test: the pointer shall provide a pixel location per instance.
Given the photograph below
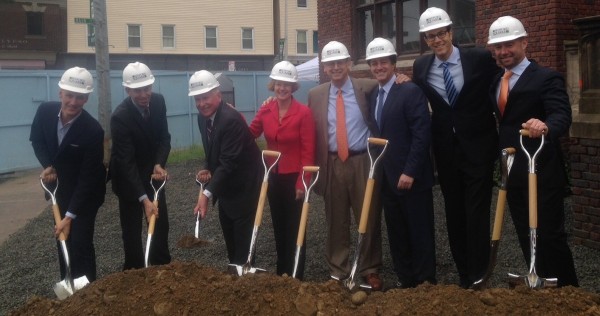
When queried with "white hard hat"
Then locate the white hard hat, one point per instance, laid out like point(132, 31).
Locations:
point(504, 29)
point(201, 82)
point(137, 75)
point(433, 18)
point(380, 47)
point(334, 50)
point(78, 80)
point(284, 71)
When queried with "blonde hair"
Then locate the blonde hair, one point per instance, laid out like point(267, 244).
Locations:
point(271, 85)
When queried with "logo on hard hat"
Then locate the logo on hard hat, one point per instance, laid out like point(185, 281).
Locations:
point(285, 72)
point(77, 81)
point(376, 49)
point(139, 76)
point(197, 84)
point(504, 30)
point(333, 51)
point(433, 19)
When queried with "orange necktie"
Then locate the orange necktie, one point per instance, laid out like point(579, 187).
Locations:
point(504, 91)
point(341, 134)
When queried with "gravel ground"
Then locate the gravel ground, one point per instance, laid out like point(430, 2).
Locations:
point(29, 267)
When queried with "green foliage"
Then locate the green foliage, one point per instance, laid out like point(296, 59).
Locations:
point(193, 152)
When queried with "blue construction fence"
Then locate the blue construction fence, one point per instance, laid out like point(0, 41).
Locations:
point(22, 92)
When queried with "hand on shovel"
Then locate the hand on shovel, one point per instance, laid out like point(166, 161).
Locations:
point(63, 227)
point(201, 205)
point(150, 209)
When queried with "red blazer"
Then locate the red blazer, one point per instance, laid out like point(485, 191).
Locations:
point(294, 137)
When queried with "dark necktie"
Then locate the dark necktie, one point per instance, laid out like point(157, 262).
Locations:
point(451, 92)
point(380, 106)
point(146, 114)
point(209, 129)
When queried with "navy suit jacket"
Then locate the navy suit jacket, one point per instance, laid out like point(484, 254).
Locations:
point(470, 125)
point(406, 124)
point(78, 160)
point(233, 159)
point(539, 93)
point(137, 146)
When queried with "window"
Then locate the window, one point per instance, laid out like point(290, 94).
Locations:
point(134, 36)
point(316, 42)
point(301, 3)
point(210, 39)
point(247, 38)
point(398, 21)
point(35, 23)
point(301, 44)
point(168, 36)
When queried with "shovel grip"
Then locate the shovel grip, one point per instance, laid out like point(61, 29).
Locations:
point(151, 224)
point(271, 153)
point(57, 220)
point(533, 200)
point(310, 168)
point(302, 228)
point(261, 203)
point(499, 218)
point(364, 214)
point(377, 141)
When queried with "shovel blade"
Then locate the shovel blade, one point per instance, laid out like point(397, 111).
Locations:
point(241, 270)
point(63, 290)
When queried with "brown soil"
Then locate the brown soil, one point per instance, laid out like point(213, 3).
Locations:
point(190, 241)
point(191, 289)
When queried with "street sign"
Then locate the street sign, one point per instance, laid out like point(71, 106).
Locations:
point(84, 21)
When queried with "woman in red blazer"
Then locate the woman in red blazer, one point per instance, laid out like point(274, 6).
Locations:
point(289, 128)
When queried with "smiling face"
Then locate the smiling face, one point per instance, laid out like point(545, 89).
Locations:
point(510, 54)
point(382, 69)
point(208, 103)
point(71, 103)
point(283, 90)
point(140, 96)
point(440, 41)
point(338, 71)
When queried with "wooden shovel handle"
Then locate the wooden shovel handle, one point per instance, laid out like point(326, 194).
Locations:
point(261, 203)
point(533, 200)
point(377, 141)
point(310, 168)
point(364, 214)
point(524, 132)
point(510, 150)
point(57, 220)
point(151, 224)
point(302, 228)
point(271, 153)
point(499, 218)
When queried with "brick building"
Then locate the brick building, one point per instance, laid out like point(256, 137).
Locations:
point(554, 42)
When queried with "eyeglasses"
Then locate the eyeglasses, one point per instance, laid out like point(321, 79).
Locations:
point(431, 37)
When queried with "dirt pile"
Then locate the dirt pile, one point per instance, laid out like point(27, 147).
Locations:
point(192, 289)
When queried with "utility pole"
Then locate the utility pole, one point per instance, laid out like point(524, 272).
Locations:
point(103, 72)
point(285, 45)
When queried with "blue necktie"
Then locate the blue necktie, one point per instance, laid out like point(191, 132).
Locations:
point(449, 83)
point(380, 106)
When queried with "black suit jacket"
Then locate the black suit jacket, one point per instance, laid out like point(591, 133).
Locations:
point(78, 159)
point(137, 146)
point(406, 124)
point(233, 159)
point(539, 93)
point(470, 125)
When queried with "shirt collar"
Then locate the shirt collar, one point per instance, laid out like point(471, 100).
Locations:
point(388, 85)
point(520, 68)
point(71, 121)
point(345, 88)
point(454, 58)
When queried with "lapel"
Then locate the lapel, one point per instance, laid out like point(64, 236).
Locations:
point(527, 75)
point(467, 72)
point(423, 76)
point(361, 99)
point(320, 111)
point(74, 132)
point(146, 127)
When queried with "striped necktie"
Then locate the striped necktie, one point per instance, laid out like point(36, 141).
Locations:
point(451, 92)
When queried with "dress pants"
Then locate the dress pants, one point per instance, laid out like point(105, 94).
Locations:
point(285, 214)
point(344, 194)
point(132, 214)
point(553, 255)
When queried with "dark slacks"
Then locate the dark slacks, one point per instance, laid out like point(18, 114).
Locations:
point(131, 214)
point(410, 227)
point(467, 190)
point(285, 214)
point(553, 255)
point(237, 225)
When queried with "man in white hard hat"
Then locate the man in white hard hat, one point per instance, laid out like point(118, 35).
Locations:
point(402, 117)
point(464, 138)
point(345, 168)
point(535, 99)
point(233, 167)
point(68, 142)
point(140, 147)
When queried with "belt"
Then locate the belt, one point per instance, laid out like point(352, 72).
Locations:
point(350, 153)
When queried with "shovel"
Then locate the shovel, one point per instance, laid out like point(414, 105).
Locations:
point(247, 267)
point(350, 282)
point(68, 286)
point(304, 216)
point(152, 221)
point(508, 156)
point(532, 279)
point(189, 241)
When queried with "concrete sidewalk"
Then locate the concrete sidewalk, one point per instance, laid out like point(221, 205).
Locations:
point(21, 199)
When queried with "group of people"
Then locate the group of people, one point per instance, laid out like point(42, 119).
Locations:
point(470, 118)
